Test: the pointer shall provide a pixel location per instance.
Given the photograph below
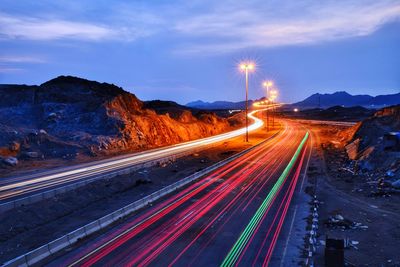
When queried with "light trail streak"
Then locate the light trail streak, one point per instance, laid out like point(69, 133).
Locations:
point(202, 207)
point(286, 200)
point(255, 189)
point(46, 181)
point(238, 247)
point(178, 231)
point(168, 206)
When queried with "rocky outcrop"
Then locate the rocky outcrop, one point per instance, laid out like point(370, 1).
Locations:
point(365, 142)
point(68, 116)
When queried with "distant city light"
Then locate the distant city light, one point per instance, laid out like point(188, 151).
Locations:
point(296, 110)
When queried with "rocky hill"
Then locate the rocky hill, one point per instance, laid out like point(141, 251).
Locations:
point(68, 116)
point(375, 142)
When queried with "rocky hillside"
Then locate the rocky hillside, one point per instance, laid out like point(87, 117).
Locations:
point(374, 143)
point(69, 116)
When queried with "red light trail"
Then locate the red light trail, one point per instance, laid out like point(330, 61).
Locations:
point(200, 224)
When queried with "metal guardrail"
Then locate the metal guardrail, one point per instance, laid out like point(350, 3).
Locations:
point(36, 255)
point(74, 185)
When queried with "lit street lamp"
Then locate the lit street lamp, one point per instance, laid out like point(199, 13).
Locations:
point(267, 84)
point(246, 67)
point(274, 95)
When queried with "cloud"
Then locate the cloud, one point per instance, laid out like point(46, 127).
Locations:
point(9, 69)
point(206, 26)
point(21, 59)
point(21, 27)
point(234, 27)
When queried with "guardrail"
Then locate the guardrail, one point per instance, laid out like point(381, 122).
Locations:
point(36, 255)
point(74, 185)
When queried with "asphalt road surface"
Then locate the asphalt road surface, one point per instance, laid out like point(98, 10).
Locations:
point(231, 217)
point(12, 188)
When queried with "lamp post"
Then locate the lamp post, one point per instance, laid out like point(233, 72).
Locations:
point(267, 84)
point(246, 67)
point(274, 95)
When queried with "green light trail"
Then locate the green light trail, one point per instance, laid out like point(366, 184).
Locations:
point(243, 239)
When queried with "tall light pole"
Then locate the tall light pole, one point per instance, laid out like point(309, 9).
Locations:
point(267, 84)
point(274, 95)
point(246, 67)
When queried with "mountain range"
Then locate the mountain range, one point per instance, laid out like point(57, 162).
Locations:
point(314, 101)
point(347, 100)
point(218, 105)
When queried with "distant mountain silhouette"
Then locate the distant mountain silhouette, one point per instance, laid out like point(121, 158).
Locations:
point(347, 100)
point(218, 105)
point(314, 101)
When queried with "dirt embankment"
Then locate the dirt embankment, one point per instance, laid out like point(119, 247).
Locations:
point(71, 118)
point(373, 146)
point(359, 205)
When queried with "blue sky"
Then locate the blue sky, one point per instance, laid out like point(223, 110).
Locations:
point(189, 50)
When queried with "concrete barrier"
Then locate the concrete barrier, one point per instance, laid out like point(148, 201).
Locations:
point(18, 262)
point(37, 255)
point(106, 220)
point(53, 247)
point(117, 215)
point(58, 244)
point(76, 235)
point(60, 190)
point(92, 227)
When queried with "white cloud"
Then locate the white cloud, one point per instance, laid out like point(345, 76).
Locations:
point(207, 25)
point(9, 69)
point(21, 59)
point(20, 27)
point(234, 27)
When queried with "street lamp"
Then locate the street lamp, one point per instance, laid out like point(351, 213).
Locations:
point(274, 95)
point(267, 85)
point(246, 67)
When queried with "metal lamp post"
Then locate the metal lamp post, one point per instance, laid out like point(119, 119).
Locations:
point(267, 84)
point(246, 67)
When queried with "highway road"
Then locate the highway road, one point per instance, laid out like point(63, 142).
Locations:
point(12, 188)
point(231, 217)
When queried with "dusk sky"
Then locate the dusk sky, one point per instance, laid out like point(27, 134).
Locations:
point(189, 50)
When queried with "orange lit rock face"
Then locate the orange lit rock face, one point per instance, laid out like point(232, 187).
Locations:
point(68, 116)
point(144, 128)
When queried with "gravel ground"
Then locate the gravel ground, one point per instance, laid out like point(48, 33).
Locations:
point(348, 196)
